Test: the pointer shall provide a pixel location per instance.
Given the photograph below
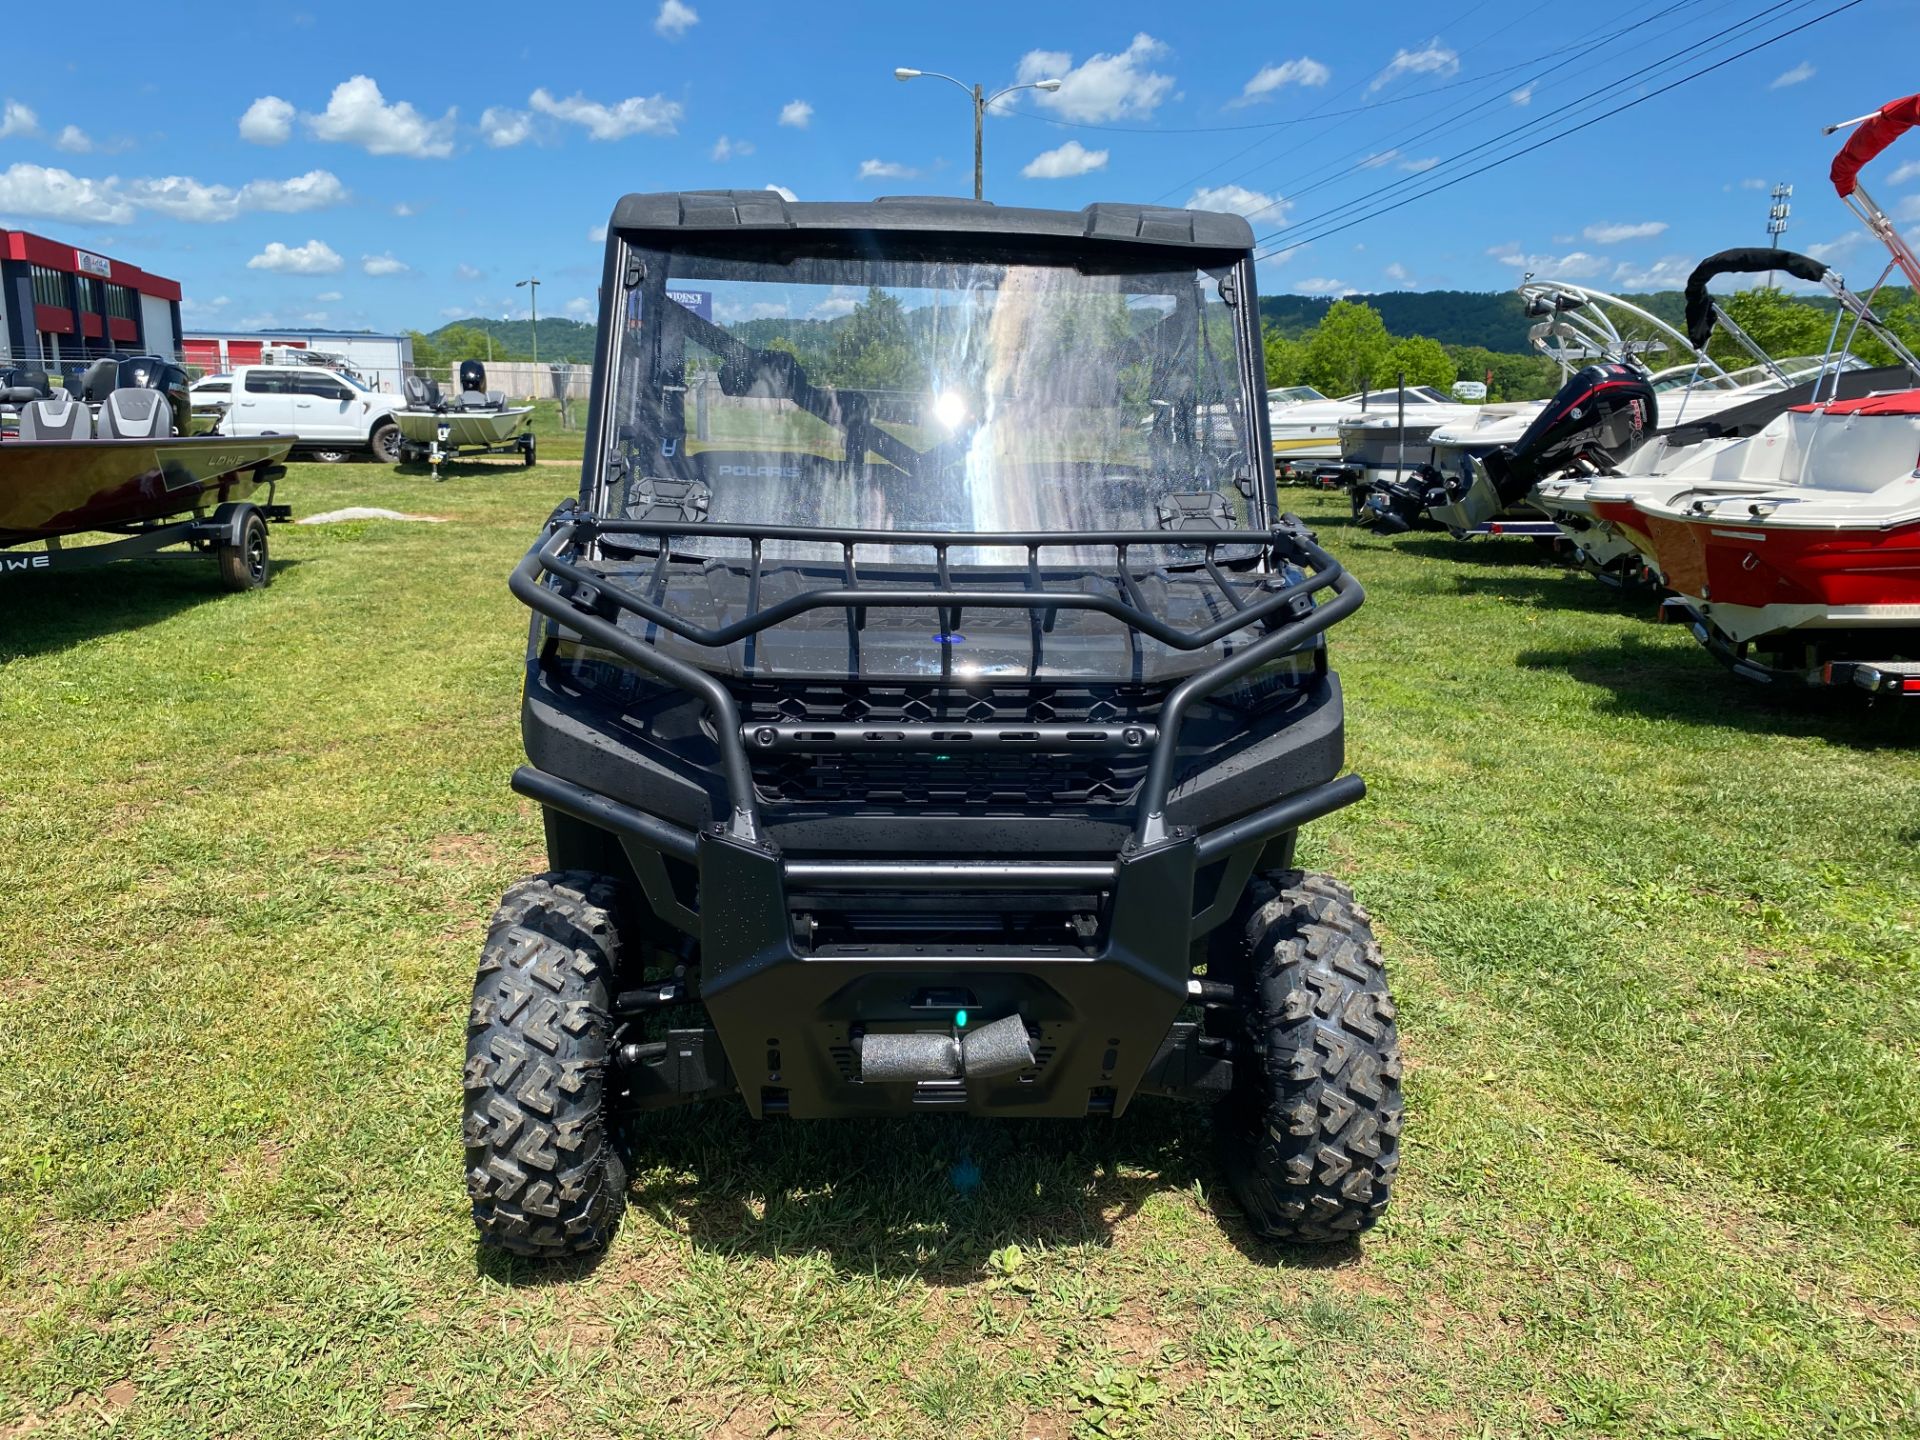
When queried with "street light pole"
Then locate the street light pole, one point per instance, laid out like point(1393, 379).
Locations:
point(532, 287)
point(981, 101)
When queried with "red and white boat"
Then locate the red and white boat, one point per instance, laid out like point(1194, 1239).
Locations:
point(1817, 578)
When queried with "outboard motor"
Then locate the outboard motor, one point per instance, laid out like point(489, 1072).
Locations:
point(473, 377)
point(1600, 416)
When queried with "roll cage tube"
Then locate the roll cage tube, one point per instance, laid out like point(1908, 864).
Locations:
point(587, 601)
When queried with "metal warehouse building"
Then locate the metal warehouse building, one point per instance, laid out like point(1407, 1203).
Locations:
point(383, 361)
point(58, 303)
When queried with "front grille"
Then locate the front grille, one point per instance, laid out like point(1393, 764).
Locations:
point(964, 781)
point(837, 702)
point(935, 783)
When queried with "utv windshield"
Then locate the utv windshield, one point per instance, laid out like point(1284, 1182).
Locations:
point(880, 384)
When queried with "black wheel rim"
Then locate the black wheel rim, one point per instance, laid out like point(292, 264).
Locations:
point(257, 554)
point(390, 447)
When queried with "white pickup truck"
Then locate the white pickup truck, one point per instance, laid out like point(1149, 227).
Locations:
point(335, 415)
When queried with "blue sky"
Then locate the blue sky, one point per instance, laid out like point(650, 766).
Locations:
point(393, 168)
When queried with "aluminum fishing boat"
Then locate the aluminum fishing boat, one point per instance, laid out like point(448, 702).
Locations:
point(477, 421)
point(110, 461)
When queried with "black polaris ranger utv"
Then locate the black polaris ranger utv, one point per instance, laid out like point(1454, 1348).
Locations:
point(923, 697)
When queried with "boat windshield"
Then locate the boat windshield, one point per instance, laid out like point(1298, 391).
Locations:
point(889, 384)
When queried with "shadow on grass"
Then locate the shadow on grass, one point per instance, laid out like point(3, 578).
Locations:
point(42, 614)
point(1563, 588)
point(1668, 684)
point(929, 1197)
point(1503, 552)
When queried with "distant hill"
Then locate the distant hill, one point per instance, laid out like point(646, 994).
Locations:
point(565, 341)
point(1487, 318)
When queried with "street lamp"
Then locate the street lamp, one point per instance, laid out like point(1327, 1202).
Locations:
point(532, 287)
point(980, 103)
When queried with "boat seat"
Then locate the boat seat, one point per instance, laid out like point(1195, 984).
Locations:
point(497, 399)
point(422, 393)
point(60, 417)
point(476, 400)
point(130, 414)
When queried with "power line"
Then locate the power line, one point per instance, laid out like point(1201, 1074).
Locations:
point(1334, 171)
point(1325, 233)
point(1571, 108)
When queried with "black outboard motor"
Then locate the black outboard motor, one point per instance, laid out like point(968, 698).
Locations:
point(473, 377)
point(1601, 415)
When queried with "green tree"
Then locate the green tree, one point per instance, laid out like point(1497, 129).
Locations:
point(1778, 323)
point(1286, 360)
point(1346, 347)
point(1424, 361)
point(870, 348)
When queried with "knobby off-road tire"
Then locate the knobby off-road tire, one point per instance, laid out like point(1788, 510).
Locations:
point(1311, 1136)
point(542, 1170)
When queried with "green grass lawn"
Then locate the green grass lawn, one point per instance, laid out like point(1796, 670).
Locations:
point(1656, 943)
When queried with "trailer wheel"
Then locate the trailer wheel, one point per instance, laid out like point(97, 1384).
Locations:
point(526, 457)
point(1310, 1137)
point(542, 1170)
point(245, 564)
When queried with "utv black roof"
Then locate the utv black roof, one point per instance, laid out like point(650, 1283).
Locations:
point(723, 210)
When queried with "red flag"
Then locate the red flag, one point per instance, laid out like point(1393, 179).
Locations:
point(1894, 119)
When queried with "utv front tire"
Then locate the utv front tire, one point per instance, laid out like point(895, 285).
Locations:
point(1310, 1137)
point(541, 1167)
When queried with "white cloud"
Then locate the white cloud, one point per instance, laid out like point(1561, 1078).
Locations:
point(181, 197)
point(1305, 72)
point(638, 115)
point(1906, 172)
point(1614, 234)
point(1374, 162)
point(797, 114)
point(1575, 265)
point(597, 234)
point(469, 273)
point(1238, 200)
point(1433, 58)
point(358, 114)
point(1833, 249)
point(1752, 184)
point(578, 308)
point(328, 297)
point(1524, 95)
point(1424, 163)
point(675, 19)
point(886, 170)
point(17, 119)
point(1106, 87)
point(502, 126)
point(267, 121)
point(315, 257)
point(1398, 273)
point(403, 210)
point(1907, 209)
point(203, 307)
point(732, 310)
point(725, 149)
point(1318, 285)
point(1798, 74)
point(1069, 160)
point(383, 264)
point(74, 141)
point(842, 301)
point(1667, 273)
point(47, 193)
point(783, 192)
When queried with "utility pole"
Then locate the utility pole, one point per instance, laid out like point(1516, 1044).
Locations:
point(1777, 220)
point(532, 287)
point(981, 100)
